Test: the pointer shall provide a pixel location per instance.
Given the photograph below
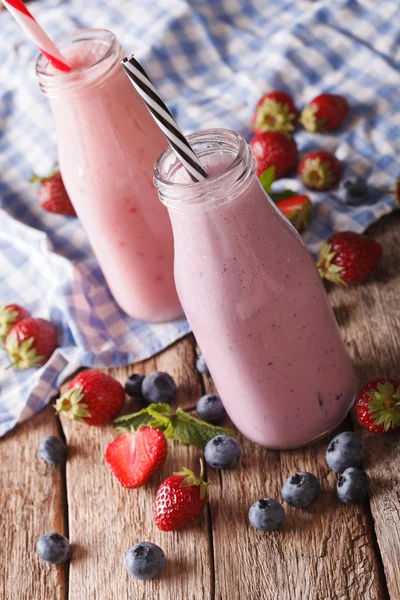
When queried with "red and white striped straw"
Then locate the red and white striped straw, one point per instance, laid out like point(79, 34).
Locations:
point(21, 14)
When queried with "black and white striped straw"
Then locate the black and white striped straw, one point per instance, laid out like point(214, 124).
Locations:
point(160, 113)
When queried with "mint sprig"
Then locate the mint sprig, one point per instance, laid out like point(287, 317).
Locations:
point(178, 426)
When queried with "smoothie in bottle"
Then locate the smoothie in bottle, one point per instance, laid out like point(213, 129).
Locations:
point(254, 298)
point(107, 146)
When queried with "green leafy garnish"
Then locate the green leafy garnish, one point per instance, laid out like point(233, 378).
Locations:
point(178, 426)
point(277, 196)
point(267, 179)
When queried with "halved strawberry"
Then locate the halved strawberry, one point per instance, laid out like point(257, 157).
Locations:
point(298, 209)
point(378, 405)
point(133, 457)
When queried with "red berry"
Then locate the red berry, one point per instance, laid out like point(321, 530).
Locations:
point(52, 194)
point(325, 113)
point(298, 209)
point(320, 170)
point(31, 342)
point(273, 149)
point(92, 397)
point(180, 500)
point(10, 315)
point(378, 405)
point(275, 111)
point(133, 457)
point(348, 258)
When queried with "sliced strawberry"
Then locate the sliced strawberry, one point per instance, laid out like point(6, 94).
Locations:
point(298, 209)
point(134, 457)
point(378, 405)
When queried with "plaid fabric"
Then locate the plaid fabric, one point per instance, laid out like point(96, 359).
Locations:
point(211, 62)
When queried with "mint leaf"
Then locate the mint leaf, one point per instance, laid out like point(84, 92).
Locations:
point(267, 178)
point(147, 416)
point(189, 430)
point(277, 196)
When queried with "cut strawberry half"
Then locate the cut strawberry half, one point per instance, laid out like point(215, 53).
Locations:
point(134, 457)
point(298, 210)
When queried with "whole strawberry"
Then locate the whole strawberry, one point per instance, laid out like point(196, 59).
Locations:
point(378, 405)
point(133, 457)
point(325, 113)
point(298, 209)
point(348, 258)
point(180, 500)
point(31, 342)
point(92, 397)
point(273, 149)
point(10, 315)
point(275, 111)
point(320, 170)
point(52, 194)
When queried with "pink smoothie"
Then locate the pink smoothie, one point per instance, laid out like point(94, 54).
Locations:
point(259, 311)
point(107, 146)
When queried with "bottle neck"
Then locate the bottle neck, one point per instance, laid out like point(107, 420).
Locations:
point(94, 55)
point(226, 157)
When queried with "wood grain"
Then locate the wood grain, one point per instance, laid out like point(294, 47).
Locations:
point(31, 493)
point(370, 320)
point(106, 520)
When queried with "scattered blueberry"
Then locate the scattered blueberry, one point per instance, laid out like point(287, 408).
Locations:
point(222, 452)
point(301, 489)
point(352, 486)
point(266, 514)
point(353, 190)
point(210, 409)
point(158, 387)
point(345, 450)
point(53, 450)
point(53, 548)
point(133, 385)
point(145, 560)
point(201, 365)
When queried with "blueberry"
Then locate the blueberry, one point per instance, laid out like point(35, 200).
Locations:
point(266, 514)
point(352, 486)
point(53, 548)
point(52, 450)
point(158, 387)
point(210, 409)
point(345, 450)
point(145, 560)
point(133, 385)
point(222, 452)
point(353, 190)
point(301, 489)
point(201, 365)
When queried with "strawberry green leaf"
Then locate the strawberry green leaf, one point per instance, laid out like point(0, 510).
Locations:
point(152, 415)
point(267, 178)
point(277, 196)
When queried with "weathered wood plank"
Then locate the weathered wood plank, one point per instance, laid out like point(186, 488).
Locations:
point(370, 320)
point(31, 493)
point(105, 520)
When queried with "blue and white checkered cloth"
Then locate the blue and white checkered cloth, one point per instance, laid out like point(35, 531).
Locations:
point(211, 60)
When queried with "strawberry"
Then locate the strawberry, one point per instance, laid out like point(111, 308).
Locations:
point(320, 170)
point(275, 111)
point(325, 113)
point(273, 149)
point(52, 194)
point(180, 500)
point(133, 457)
point(378, 405)
point(31, 342)
point(10, 315)
point(348, 258)
point(92, 397)
point(298, 209)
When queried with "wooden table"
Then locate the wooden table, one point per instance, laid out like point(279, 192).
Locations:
point(328, 552)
